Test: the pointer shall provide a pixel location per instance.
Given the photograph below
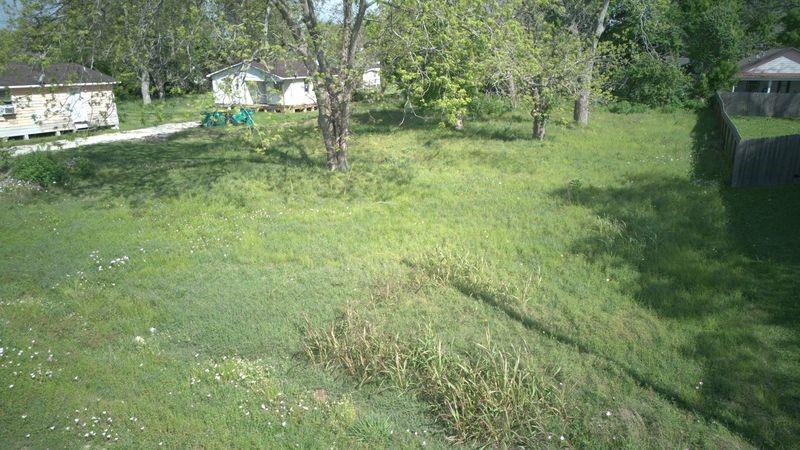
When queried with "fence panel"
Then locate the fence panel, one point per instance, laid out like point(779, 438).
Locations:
point(768, 161)
point(761, 104)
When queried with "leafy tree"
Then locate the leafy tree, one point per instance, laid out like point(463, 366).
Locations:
point(791, 29)
point(546, 59)
point(329, 52)
point(715, 36)
point(436, 53)
point(587, 20)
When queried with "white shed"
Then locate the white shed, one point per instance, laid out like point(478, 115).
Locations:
point(371, 78)
point(282, 85)
point(54, 98)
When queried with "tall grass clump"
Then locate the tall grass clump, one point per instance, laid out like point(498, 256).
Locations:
point(485, 396)
point(475, 277)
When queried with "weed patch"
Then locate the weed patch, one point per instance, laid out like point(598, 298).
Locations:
point(485, 395)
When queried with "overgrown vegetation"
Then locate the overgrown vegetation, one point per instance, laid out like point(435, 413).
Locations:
point(611, 259)
point(39, 167)
point(485, 395)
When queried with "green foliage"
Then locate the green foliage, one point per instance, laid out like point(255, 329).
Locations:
point(626, 107)
point(791, 29)
point(80, 166)
point(439, 66)
point(715, 42)
point(650, 81)
point(490, 105)
point(38, 167)
point(5, 160)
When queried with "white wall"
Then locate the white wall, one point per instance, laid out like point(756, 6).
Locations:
point(371, 78)
point(297, 92)
point(230, 86)
point(45, 110)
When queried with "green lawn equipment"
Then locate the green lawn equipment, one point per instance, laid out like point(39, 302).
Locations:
point(220, 119)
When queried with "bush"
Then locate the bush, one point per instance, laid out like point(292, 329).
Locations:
point(38, 167)
point(489, 105)
point(650, 81)
point(5, 160)
point(625, 107)
point(80, 167)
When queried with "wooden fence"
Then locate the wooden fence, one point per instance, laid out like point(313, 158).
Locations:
point(762, 104)
point(768, 161)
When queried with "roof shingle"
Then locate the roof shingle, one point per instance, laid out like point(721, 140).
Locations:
point(20, 74)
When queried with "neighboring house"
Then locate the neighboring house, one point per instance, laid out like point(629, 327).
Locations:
point(54, 98)
point(371, 78)
point(280, 85)
point(774, 71)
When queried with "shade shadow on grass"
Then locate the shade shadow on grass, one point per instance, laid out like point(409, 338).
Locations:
point(722, 264)
point(195, 162)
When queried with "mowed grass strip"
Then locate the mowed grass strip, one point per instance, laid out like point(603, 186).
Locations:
point(752, 127)
point(614, 255)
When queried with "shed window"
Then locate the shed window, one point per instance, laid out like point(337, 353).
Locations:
point(306, 85)
point(6, 105)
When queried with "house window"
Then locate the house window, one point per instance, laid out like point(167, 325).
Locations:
point(6, 105)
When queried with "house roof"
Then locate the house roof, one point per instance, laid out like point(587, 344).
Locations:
point(775, 64)
point(16, 74)
point(282, 69)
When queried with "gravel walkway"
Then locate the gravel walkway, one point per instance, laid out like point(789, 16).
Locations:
point(142, 133)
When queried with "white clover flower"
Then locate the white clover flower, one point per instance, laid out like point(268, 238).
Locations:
point(139, 340)
point(153, 330)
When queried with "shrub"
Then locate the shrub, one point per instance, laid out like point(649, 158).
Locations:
point(38, 167)
point(625, 107)
point(80, 167)
point(648, 80)
point(5, 160)
point(489, 105)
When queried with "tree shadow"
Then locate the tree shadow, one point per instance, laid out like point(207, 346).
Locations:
point(723, 266)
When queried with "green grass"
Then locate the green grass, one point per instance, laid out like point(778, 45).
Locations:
point(751, 127)
point(658, 305)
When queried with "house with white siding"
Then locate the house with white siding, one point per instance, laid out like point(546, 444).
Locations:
point(279, 85)
point(774, 71)
point(36, 99)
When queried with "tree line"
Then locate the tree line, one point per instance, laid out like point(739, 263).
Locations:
point(442, 55)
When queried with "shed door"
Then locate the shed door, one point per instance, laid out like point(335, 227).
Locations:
point(78, 108)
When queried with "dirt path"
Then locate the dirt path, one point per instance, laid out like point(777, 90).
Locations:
point(142, 133)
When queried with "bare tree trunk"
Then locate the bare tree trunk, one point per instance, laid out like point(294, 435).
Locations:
point(512, 91)
point(459, 122)
point(539, 114)
point(144, 77)
point(581, 112)
point(162, 90)
point(539, 124)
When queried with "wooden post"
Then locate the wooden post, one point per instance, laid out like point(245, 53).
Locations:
point(769, 86)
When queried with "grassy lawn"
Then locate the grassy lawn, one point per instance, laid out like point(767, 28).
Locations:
point(751, 127)
point(175, 296)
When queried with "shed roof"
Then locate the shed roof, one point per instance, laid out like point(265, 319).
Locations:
point(288, 68)
point(775, 64)
point(16, 74)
